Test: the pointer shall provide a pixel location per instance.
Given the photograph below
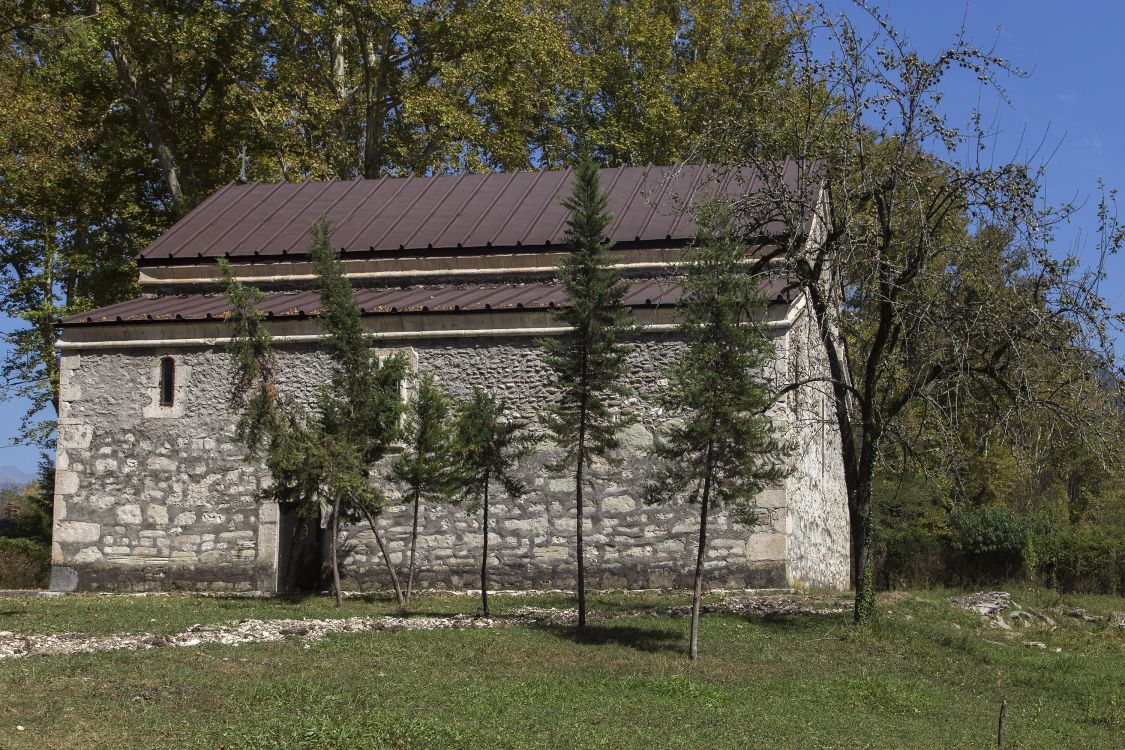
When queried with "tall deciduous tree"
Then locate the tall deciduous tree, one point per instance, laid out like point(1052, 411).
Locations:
point(721, 448)
point(323, 453)
point(488, 449)
point(889, 263)
point(121, 116)
point(589, 361)
point(644, 78)
point(72, 209)
point(425, 467)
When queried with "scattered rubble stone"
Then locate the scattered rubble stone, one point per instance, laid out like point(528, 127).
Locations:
point(259, 631)
point(245, 631)
point(987, 604)
point(1116, 618)
point(1080, 614)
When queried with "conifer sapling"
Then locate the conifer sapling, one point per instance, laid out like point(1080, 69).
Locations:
point(720, 450)
point(488, 449)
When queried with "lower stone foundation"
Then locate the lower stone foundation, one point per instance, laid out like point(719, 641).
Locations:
point(102, 577)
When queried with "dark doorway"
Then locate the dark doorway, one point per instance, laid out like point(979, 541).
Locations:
point(300, 551)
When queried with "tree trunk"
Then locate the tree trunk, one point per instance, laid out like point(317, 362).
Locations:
point(128, 80)
point(413, 547)
point(578, 538)
point(700, 556)
point(335, 551)
point(578, 477)
point(864, 561)
point(484, 552)
point(342, 91)
point(46, 322)
point(387, 560)
point(375, 105)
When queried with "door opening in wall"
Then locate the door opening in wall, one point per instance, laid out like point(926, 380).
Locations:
point(300, 552)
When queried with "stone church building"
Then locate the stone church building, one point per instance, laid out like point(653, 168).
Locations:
point(153, 491)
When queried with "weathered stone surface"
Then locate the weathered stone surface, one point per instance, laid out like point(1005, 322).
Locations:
point(129, 514)
point(816, 508)
point(180, 507)
point(77, 532)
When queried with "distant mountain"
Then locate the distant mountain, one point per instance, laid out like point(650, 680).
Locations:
point(14, 476)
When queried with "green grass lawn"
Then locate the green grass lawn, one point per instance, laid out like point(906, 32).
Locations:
point(922, 676)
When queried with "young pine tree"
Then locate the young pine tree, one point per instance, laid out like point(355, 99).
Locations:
point(424, 468)
point(589, 361)
point(488, 449)
point(323, 452)
point(722, 450)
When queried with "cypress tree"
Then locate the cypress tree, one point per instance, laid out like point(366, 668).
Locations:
point(424, 467)
point(589, 361)
point(721, 451)
point(323, 452)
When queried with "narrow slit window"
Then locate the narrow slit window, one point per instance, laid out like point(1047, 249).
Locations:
point(167, 381)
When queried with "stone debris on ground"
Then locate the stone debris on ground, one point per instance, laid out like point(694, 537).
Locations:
point(243, 631)
point(749, 606)
point(998, 608)
point(987, 604)
point(263, 631)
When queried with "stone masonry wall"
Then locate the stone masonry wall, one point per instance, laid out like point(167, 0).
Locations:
point(152, 497)
point(629, 544)
point(817, 526)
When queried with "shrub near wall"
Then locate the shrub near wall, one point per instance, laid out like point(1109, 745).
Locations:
point(1081, 559)
point(24, 563)
point(992, 545)
point(989, 544)
point(910, 557)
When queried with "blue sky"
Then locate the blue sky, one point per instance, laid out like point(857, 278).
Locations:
point(1069, 104)
point(1075, 56)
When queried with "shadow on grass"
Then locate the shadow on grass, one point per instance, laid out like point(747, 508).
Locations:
point(797, 623)
point(649, 640)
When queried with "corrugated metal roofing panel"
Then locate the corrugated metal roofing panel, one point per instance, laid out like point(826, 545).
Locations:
point(521, 209)
point(644, 293)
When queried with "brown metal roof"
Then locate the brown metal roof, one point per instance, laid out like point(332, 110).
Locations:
point(196, 307)
point(447, 212)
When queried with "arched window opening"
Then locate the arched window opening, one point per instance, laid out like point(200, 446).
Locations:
point(167, 381)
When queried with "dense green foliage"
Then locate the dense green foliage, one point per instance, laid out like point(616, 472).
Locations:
point(322, 452)
point(488, 447)
point(588, 361)
point(720, 449)
point(25, 535)
point(995, 546)
point(924, 675)
point(24, 563)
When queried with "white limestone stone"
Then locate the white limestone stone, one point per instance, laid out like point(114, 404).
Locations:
point(128, 514)
point(89, 555)
point(77, 532)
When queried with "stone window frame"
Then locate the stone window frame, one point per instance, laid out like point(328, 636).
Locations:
point(155, 407)
point(167, 381)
